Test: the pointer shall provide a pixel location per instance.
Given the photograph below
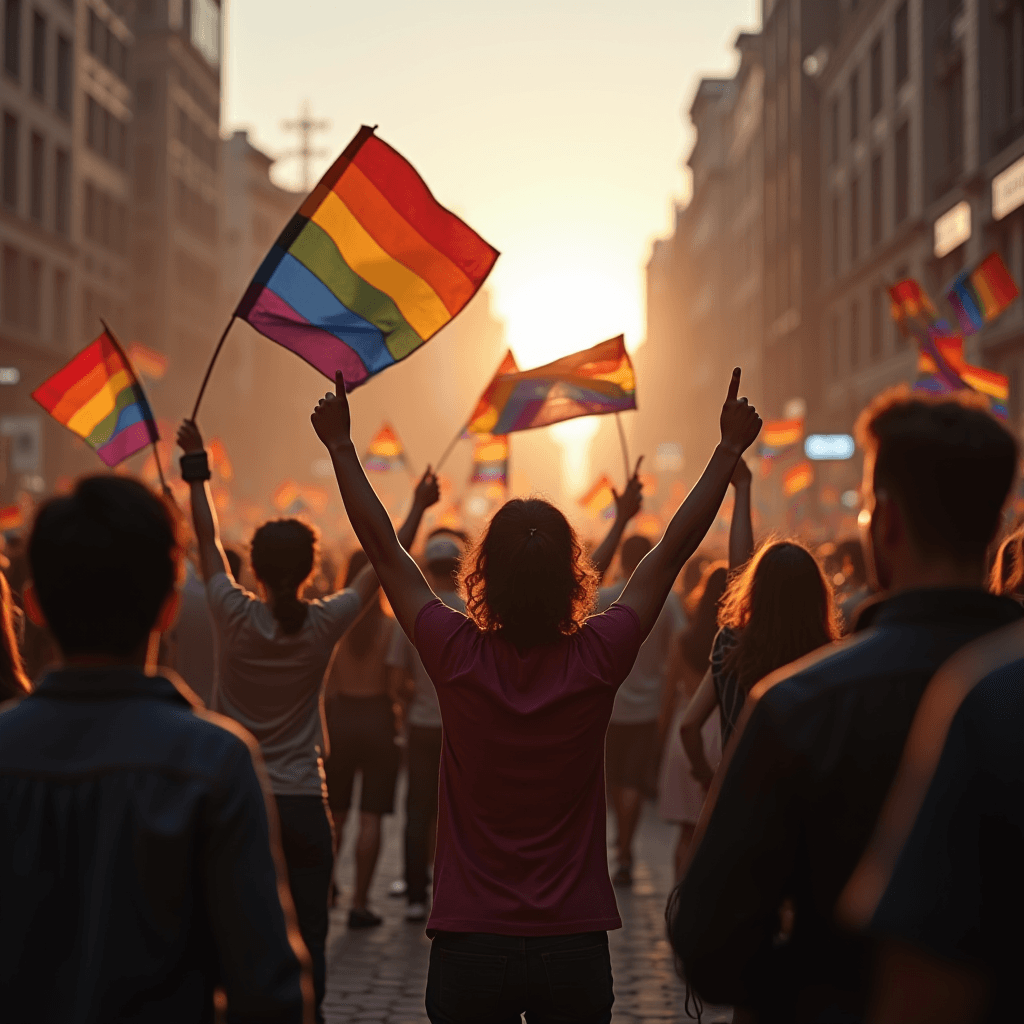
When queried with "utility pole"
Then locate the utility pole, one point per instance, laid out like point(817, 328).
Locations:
point(306, 126)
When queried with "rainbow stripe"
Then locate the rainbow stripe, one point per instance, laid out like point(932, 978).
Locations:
point(798, 478)
point(370, 268)
point(98, 397)
point(11, 518)
point(591, 383)
point(485, 415)
point(981, 295)
point(600, 499)
point(385, 451)
point(781, 434)
point(490, 460)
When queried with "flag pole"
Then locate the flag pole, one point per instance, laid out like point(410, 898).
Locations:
point(209, 369)
point(150, 425)
point(451, 446)
point(625, 449)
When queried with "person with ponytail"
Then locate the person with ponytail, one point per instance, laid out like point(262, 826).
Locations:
point(272, 653)
point(525, 682)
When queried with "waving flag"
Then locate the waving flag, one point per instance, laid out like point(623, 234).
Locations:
point(979, 296)
point(370, 268)
point(943, 358)
point(485, 415)
point(98, 397)
point(600, 499)
point(385, 451)
point(147, 362)
point(596, 381)
point(490, 461)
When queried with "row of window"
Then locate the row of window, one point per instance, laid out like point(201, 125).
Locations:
point(106, 47)
point(38, 161)
point(39, 79)
point(192, 136)
point(197, 214)
point(880, 326)
point(106, 134)
point(21, 294)
point(104, 219)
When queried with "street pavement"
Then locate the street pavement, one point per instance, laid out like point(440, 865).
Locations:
point(379, 975)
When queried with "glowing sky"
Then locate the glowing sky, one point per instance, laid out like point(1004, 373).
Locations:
point(553, 128)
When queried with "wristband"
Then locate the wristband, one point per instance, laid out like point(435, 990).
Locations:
point(195, 466)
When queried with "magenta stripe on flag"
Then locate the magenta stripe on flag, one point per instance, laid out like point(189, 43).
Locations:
point(273, 317)
point(127, 442)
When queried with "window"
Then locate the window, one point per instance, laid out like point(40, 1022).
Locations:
point(833, 345)
point(38, 54)
point(876, 199)
point(61, 303)
point(835, 236)
point(876, 76)
point(95, 35)
point(12, 38)
point(33, 297)
point(876, 323)
point(10, 285)
point(62, 192)
point(106, 134)
point(854, 105)
point(854, 334)
point(10, 184)
point(64, 79)
point(854, 220)
point(902, 172)
point(833, 126)
point(37, 176)
point(902, 45)
point(88, 211)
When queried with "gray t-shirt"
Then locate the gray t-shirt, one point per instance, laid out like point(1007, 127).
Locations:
point(639, 697)
point(423, 709)
point(271, 682)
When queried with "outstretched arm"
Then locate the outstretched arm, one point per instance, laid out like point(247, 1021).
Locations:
point(399, 575)
point(212, 559)
point(741, 529)
point(698, 711)
point(650, 584)
point(627, 504)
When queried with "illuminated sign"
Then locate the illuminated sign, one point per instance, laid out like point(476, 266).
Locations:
point(953, 228)
point(9, 375)
point(829, 447)
point(1008, 190)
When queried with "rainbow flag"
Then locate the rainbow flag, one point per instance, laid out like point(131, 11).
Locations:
point(590, 383)
point(385, 451)
point(147, 362)
point(485, 415)
point(979, 296)
point(370, 268)
point(779, 434)
point(913, 310)
point(11, 518)
point(98, 397)
point(490, 460)
point(797, 478)
point(600, 499)
point(942, 370)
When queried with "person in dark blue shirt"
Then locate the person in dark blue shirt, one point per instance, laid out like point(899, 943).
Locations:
point(139, 864)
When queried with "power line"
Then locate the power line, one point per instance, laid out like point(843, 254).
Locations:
point(306, 126)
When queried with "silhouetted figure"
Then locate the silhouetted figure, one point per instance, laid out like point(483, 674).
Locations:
point(818, 743)
point(522, 897)
point(138, 850)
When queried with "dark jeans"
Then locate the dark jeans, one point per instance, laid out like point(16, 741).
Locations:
point(308, 853)
point(492, 979)
point(424, 752)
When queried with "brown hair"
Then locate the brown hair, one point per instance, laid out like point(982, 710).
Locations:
point(1008, 569)
point(528, 577)
point(702, 608)
point(13, 681)
point(283, 554)
point(781, 606)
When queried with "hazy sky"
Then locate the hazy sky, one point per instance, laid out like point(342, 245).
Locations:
point(555, 129)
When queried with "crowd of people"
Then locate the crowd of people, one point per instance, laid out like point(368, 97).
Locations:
point(836, 736)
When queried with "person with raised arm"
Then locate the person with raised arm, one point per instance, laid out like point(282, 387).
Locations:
point(273, 652)
point(525, 682)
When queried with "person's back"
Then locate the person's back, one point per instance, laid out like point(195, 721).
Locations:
point(135, 839)
point(818, 743)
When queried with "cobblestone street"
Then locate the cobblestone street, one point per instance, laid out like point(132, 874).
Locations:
point(380, 975)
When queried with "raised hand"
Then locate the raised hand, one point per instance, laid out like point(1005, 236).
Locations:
point(189, 438)
point(331, 419)
point(740, 423)
point(741, 475)
point(631, 500)
point(428, 491)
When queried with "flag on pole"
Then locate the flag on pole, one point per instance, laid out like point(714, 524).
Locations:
point(979, 296)
point(490, 460)
point(485, 415)
point(600, 499)
point(98, 397)
point(370, 268)
point(797, 478)
point(913, 310)
point(590, 383)
point(945, 356)
point(385, 451)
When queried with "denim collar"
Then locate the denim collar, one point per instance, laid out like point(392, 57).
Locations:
point(938, 605)
point(114, 682)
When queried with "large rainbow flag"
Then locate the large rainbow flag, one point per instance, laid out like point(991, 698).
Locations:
point(490, 460)
point(597, 381)
point(979, 296)
point(370, 268)
point(98, 397)
point(385, 452)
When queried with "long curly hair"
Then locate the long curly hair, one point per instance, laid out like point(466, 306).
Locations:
point(283, 556)
point(782, 607)
point(528, 578)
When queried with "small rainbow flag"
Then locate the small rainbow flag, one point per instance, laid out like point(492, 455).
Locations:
point(98, 397)
point(596, 381)
point(385, 451)
point(490, 460)
point(147, 362)
point(370, 268)
point(11, 518)
point(942, 370)
point(485, 415)
point(797, 478)
point(600, 499)
point(979, 296)
point(781, 434)
point(913, 310)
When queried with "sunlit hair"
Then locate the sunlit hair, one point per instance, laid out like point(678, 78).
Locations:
point(528, 577)
point(13, 681)
point(782, 607)
point(1008, 569)
point(702, 609)
point(283, 555)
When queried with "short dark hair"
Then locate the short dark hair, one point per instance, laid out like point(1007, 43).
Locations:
point(283, 554)
point(947, 462)
point(634, 550)
point(104, 560)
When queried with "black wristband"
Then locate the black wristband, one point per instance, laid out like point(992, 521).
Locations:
point(195, 466)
